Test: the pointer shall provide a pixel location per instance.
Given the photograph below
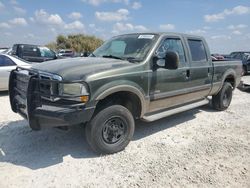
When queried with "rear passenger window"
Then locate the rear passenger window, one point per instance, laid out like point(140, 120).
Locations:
point(198, 51)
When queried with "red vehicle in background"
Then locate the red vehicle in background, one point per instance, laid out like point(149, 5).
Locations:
point(218, 56)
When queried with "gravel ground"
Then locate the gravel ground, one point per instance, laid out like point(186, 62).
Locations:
point(197, 148)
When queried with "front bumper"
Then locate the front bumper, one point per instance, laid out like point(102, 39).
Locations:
point(27, 99)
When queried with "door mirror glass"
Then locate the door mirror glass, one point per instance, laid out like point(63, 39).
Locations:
point(160, 62)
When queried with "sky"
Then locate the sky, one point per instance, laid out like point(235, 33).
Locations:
point(224, 23)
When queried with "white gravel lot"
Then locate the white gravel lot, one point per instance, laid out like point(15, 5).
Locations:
point(197, 148)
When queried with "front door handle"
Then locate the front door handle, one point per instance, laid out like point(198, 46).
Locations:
point(186, 74)
point(208, 72)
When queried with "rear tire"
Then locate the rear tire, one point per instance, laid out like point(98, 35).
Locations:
point(222, 100)
point(110, 130)
point(244, 71)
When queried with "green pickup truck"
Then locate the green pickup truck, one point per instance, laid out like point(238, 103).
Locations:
point(145, 76)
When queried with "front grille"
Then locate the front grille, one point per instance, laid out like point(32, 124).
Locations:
point(48, 87)
point(21, 84)
point(45, 85)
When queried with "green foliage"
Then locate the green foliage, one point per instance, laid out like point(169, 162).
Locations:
point(52, 46)
point(78, 43)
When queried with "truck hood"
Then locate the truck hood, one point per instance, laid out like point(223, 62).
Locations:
point(79, 68)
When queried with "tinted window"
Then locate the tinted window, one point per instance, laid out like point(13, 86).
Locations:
point(14, 50)
point(173, 45)
point(239, 56)
point(68, 51)
point(197, 49)
point(5, 61)
point(233, 55)
point(31, 51)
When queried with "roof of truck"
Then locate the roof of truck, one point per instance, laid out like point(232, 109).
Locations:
point(165, 33)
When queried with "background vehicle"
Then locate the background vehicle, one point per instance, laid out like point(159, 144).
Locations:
point(246, 64)
point(33, 53)
point(145, 76)
point(66, 53)
point(85, 54)
point(244, 56)
point(218, 56)
point(3, 50)
point(8, 51)
point(8, 63)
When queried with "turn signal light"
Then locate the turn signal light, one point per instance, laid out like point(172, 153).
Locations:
point(84, 98)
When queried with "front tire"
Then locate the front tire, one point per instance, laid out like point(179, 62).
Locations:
point(222, 100)
point(110, 130)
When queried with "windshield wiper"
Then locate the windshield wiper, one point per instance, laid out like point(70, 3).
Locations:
point(132, 59)
point(112, 56)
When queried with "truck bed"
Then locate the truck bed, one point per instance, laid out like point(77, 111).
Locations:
point(221, 67)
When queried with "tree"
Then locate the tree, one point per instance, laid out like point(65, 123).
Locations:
point(77, 42)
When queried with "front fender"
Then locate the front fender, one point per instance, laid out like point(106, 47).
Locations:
point(127, 86)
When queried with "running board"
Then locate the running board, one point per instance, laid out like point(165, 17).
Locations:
point(174, 111)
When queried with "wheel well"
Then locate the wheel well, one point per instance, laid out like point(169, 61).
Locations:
point(127, 99)
point(230, 79)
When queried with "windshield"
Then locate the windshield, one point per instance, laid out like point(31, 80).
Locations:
point(46, 52)
point(246, 56)
point(133, 47)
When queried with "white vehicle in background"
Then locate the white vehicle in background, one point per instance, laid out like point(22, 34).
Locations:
point(64, 53)
point(2, 50)
point(7, 51)
point(8, 63)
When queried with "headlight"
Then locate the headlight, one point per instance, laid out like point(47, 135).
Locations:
point(78, 91)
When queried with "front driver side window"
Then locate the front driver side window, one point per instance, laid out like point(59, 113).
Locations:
point(173, 45)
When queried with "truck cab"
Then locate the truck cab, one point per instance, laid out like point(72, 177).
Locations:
point(33, 53)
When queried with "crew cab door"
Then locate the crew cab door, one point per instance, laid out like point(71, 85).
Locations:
point(169, 88)
point(200, 68)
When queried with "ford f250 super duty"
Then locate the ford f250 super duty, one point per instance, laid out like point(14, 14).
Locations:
point(144, 76)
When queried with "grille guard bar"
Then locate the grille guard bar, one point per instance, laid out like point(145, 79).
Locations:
point(37, 77)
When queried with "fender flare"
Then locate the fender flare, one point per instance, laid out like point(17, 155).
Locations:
point(228, 73)
point(126, 88)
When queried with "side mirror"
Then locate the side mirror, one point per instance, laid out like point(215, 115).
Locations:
point(171, 60)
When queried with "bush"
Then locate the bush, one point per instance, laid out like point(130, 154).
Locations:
point(78, 43)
